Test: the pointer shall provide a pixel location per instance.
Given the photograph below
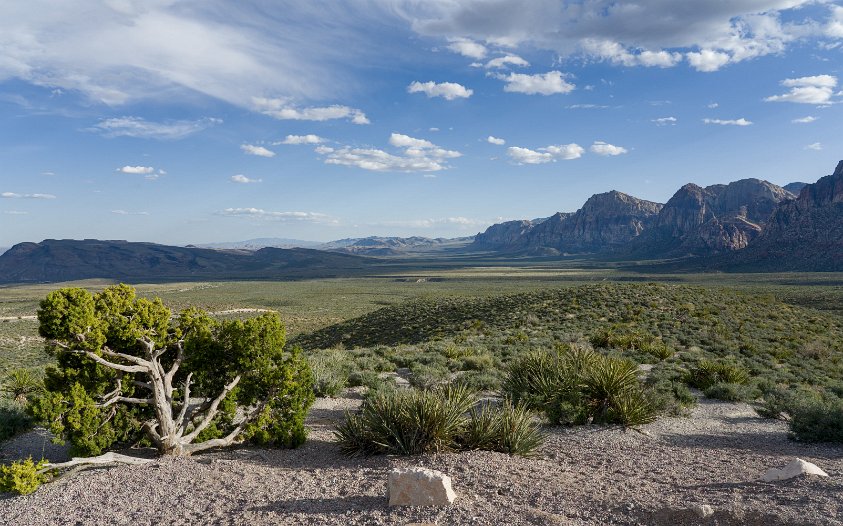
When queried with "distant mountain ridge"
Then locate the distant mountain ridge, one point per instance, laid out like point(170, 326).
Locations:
point(259, 243)
point(65, 260)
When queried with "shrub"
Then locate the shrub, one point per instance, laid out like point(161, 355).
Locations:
point(578, 386)
point(672, 397)
point(331, 370)
point(818, 420)
point(508, 428)
point(407, 422)
point(22, 477)
point(427, 376)
point(731, 392)
point(707, 373)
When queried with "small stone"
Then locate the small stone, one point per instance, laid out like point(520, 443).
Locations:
point(702, 510)
point(419, 487)
point(797, 467)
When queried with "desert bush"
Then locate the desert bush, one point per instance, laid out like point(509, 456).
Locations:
point(330, 372)
point(731, 392)
point(407, 422)
point(672, 397)
point(426, 376)
point(579, 386)
point(13, 419)
point(707, 373)
point(507, 428)
point(22, 477)
point(817, 419)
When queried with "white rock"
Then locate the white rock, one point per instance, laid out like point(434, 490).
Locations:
point(796, 468)
point(419, 487)
point(702, 510)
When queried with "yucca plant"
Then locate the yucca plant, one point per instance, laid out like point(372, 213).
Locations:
point(707, 373)
point(22, 384)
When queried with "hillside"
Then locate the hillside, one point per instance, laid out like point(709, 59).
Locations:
point(64, 260)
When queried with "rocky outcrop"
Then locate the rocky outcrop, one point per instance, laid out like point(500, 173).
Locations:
point(712, 220)
point(605, 222)
point(795, 188)
point(804, 234)
point(796, 468)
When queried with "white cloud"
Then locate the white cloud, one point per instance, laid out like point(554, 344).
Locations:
point(242, 179)
point(418, 155)
point(13, 195)
point(126, 213)
point(302, 139)
point(708, 60)
point(495, 140)
point(467, 48)
point(446, 90)
point(282, 109)
point(834, 27)
point(619, 54)
point(713, 105)
point(548, 83)
point(586, 107)
point(545, 155)
point(137, 170)
point(261, 214)
point(461, 222)
point(15, 212)
point(665, 121)
point(804, 120)
point(817, 89)
point(140, 128)
point(260, 151)
point(731, 122)
point(505, 61)
point(814, 146)
point(606, 149)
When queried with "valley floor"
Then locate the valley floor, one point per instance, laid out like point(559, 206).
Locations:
point(583, 476)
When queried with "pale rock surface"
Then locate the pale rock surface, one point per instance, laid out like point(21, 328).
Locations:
point(419, 487)
point(795, 468)
point(702, 510)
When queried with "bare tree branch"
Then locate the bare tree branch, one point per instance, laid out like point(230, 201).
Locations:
point(108, 458)
point(126, 399)
point(212, 411)
point(180, 422)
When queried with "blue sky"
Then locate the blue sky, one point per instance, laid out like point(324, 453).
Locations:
point(198, 121)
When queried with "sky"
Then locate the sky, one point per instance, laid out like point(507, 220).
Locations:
point(198, 121)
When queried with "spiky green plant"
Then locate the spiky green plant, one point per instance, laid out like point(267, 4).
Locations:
point(707, 373)
point(21, 384)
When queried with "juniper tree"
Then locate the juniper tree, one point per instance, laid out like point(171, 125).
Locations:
point(126, 368)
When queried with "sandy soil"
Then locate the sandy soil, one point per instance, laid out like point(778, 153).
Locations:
point(585, 476)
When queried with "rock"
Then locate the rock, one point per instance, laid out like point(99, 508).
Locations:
point(419, 487)
point(796, 468)
point(702, 510)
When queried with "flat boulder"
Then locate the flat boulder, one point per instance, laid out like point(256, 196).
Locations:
point(796, 468)
point(419, 487)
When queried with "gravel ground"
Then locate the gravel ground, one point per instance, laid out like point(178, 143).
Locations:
point(585, 476)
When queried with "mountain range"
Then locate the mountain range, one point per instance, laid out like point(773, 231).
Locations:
point(747, 225)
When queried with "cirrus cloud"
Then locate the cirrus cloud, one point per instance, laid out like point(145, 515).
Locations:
point(141, 128)
point(14, 195)
point(268, 215)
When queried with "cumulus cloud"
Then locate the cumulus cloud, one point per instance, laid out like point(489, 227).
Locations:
point(495, 140)
point(142, 129)
point(506, 61)
point(302, 139)
point(804, 120)
point(417, 155)
point(817, 89)
point(260, 151)
point(545, 155)
point(606, 149)
point(665, 121)
point(814, 146)
point(730, 122)
point(282, 109)
point(137, 170)
point(446, 90)
point(548, 83)
point(242, 179)
point(708, 60)
point(467, 48)
point(267, 215)
point(13, 195)
point(619, 54)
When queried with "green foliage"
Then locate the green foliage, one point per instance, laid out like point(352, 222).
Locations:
point(21, 384)
point(732, 392)
point(708, 373)
point(331, 370)
point(508, 428)
point(817, 419)
point(13, 419)
point(22, 478)
point(407, 422)
point(627, 338)
point(577, 386)
point(78, 404)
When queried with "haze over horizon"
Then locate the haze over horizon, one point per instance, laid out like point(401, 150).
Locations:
point(194, 122)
